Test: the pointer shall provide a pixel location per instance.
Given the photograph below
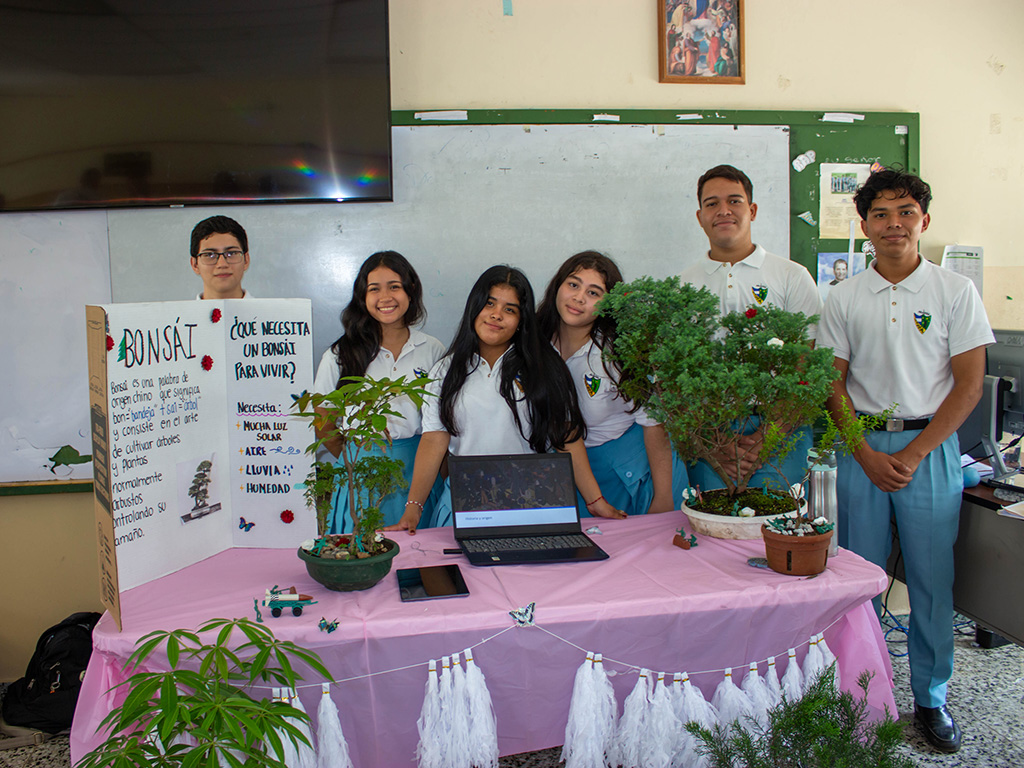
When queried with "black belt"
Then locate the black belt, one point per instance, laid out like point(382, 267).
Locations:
point(901, 425)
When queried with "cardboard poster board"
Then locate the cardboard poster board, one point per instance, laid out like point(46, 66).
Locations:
point(194, 448)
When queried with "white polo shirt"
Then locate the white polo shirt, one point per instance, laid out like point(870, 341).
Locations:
point(761, 278)
point(417, 357)
point(245, 295)
point(605, 412)
point(899, 338)
point(484, 420)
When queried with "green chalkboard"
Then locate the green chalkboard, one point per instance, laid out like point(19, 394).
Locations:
point(890, 138)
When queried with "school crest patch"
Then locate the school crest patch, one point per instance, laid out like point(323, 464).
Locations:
point(922, 320)
point(760, 293)
point(519, 383)
point(419, 373)
point(592, 382)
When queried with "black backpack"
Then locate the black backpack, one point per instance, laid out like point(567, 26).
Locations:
point(46, 697)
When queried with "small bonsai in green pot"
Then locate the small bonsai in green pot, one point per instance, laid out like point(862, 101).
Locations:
point(709, 377)
point(352, 420)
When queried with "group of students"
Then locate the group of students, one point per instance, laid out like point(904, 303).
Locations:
point(520, 377)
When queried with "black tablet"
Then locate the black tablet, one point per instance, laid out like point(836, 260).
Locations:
point(434, 581)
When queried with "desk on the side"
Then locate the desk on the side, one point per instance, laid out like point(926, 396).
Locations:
point(989, 565)
point(651, 604)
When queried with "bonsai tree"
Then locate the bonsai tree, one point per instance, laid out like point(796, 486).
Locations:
point(709, 377)
point(353, 419)
point(200, 484)
point(824, 729)
point(203, 711)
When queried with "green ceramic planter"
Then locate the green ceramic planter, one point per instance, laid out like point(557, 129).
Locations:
point(350, 575)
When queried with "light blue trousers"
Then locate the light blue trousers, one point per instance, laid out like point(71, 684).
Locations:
point(623, 473)
point(927, 514)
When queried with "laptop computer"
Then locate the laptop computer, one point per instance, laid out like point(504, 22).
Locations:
point(512, 509)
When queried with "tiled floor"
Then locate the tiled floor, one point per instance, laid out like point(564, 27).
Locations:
point(986, 695)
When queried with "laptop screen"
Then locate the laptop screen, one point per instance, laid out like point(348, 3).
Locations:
point(502, 494)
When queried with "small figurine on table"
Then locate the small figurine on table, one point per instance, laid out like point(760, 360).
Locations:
point(278, 599)
point(681, 541)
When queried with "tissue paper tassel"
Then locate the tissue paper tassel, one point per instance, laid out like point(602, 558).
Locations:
point(830, 658)
point(759, 694)
point(792, 680)
point(457, 717)
point(661, 728)
point(771, 678)
point(483, 725)
point(331, 747)
point(430, 750)
point(289, 753)
point(582, 747)
point(733, 705)
point(306, 754)
point(627, 749)
point(690, 706)
point(814, 662)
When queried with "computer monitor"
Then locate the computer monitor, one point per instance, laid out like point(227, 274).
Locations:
point(1001, 409)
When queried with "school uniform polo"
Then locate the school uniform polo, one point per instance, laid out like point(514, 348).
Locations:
point(482, 416)
point(245, 295)
point(418, 355)
point(760, 279)
point(416, 358)
point(615, 442)
point(898, 339)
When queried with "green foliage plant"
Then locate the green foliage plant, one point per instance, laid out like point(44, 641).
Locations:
point(847, 434)
point(203, 712)
point(709, 377)
point(354, 418)
point(824, 729)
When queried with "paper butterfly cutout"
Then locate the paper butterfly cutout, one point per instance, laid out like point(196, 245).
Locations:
point(244, 525)
point(922, 320)
point(523, 617)
point(328, 626)
point(592, 383)
point(760, 293)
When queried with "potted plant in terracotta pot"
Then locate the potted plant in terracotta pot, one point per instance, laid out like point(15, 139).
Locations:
point(796, 545)
point(709, 377)
point(354, 418)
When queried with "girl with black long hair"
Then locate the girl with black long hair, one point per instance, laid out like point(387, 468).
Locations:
point(629, 452)
point(501, 388)
point(380, 342)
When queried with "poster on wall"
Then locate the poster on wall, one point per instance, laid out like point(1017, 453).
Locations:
point(838, 184)
point(194, 448)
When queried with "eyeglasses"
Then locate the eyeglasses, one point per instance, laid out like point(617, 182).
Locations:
point(210, 258)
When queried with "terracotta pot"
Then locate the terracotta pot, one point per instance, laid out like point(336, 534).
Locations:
point(796, 555)
point(350, 575)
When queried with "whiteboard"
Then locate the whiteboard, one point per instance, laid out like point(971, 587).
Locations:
point(466, 197)
point(53, 264)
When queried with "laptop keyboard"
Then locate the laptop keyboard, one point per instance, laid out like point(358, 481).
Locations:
point(531, 543)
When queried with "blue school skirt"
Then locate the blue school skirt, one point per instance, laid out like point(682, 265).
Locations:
point(393, 505)
point(624, 474)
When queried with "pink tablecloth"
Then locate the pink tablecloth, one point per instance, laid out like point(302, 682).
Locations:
point(652, 605)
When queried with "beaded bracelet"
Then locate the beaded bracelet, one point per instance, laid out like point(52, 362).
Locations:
point(418, 504)
point(592, 503)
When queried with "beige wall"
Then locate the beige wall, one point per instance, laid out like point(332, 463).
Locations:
point(48, 567)
point(959, 65)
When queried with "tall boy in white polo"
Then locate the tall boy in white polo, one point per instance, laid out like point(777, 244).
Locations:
point(745, 275)
point(909, 335)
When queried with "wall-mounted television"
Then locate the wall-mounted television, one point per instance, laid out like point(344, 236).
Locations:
point(125, 103)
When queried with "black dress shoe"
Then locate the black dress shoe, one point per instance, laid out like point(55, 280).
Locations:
point(939, 727)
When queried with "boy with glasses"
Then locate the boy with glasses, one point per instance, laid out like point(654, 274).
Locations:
point(220, 256)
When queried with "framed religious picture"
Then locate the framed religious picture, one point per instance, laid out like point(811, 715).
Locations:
point(700, 41)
